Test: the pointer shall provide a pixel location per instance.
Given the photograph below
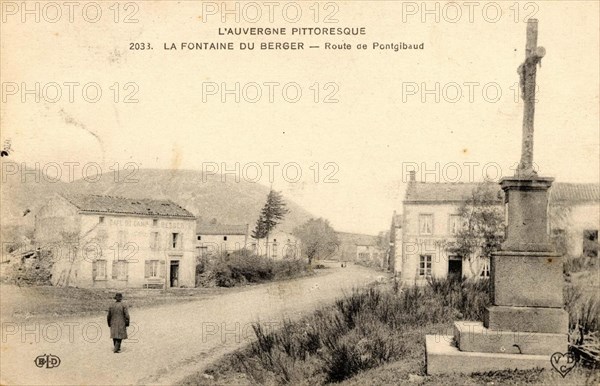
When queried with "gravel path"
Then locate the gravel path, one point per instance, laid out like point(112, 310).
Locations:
point(168, 342)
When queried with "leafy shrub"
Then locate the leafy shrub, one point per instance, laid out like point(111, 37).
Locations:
point(241, 267)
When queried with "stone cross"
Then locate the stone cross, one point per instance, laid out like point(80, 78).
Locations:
point(527, 71)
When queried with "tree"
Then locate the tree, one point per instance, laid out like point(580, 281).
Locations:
point(482, 230)
point(271, 214)
point(259, 231)
point(317, 237)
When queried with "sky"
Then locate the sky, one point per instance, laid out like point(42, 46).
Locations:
point(364, 116)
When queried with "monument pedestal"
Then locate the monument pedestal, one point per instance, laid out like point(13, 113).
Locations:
point(444, 357)
point(526, 323)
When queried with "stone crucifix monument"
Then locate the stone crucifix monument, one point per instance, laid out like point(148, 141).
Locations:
point(526, 323)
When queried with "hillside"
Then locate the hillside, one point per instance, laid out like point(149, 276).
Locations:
point(228, 202)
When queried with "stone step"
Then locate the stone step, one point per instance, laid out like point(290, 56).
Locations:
point(526, 319)
point(444, 357)
point(474, 337)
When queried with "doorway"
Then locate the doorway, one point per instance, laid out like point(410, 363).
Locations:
point(174, 273)
point(454, 268)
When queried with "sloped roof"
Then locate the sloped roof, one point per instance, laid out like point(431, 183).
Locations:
point(221, 229)
point(575, 192)
point(121, 205)
point(443, 191)
point(459, 191)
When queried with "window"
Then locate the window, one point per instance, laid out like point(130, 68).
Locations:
point(425, 224)
point(274, 249)
point(224, 238)
point(175, 240)
point(455, 224)
point(485, 269)
point(155, 222)
point(154, 241)
point(154, 269)
point(425, 265)
point(99, 270)
point(119, 269)
point(199, 238)
point(590, 243)
point(101, 219)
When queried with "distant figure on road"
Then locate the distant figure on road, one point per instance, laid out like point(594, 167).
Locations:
point(118, 321)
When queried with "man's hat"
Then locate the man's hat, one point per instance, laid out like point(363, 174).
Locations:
point(118, 296)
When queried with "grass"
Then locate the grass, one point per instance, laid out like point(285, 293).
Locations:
point(43, 302)
point(373, 336)
point(361, 331)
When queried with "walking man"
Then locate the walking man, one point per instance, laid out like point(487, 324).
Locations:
point(118, 321)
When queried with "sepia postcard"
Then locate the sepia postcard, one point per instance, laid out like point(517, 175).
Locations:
point(300, 192)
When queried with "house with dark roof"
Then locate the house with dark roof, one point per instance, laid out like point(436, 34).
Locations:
point(430, 222)
point(214, 239)
point(117, 242)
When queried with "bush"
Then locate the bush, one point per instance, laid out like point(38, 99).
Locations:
point(578, 264)
point(583, 308)
point(242, 267)
point(362, 330)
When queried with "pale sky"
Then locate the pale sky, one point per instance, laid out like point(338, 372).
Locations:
point(366, 136)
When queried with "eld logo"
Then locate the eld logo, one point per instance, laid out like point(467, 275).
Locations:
point(48, 360)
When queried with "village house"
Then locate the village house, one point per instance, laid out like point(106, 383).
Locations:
point(430, 222)
point(117, 242)
point(281, 245)
point(213, 239)
point(358, 247)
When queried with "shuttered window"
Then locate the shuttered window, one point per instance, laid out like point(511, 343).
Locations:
point(119, 270)
point(99, 270)
point(154, 269)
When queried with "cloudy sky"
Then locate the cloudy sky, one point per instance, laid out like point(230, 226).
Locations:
point(352, 152)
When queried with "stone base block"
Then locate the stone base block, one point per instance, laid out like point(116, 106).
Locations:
point(443, 357)
point(527, 279)
point(474, 337)
point(526, 319)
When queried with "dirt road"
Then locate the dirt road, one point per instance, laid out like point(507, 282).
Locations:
point(166, 342)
